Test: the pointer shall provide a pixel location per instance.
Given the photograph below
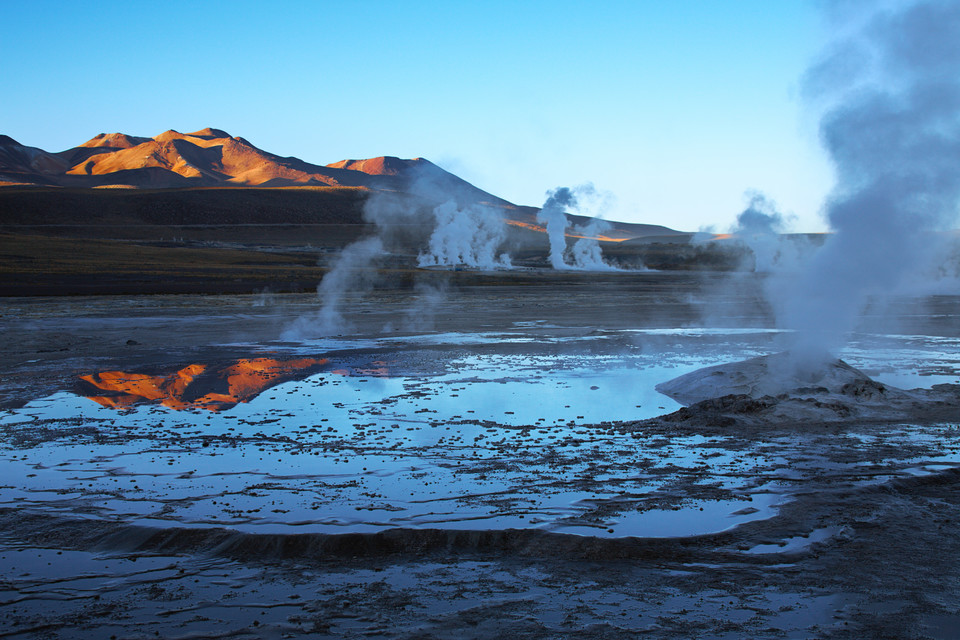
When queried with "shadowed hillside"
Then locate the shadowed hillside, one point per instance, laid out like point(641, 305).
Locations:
point(207, 212)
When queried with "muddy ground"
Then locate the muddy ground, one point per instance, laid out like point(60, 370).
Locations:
point(134, 524)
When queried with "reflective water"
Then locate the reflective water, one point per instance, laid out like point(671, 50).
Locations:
point(487, 430)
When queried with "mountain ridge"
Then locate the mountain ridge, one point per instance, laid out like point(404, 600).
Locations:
point(211, 158)
point(205, 158)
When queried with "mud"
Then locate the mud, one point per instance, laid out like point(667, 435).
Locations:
point(769, 392)
point(488, 475)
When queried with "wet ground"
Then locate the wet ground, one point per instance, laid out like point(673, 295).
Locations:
point(460, 462)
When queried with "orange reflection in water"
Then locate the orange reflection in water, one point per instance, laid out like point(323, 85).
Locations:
point(198, 386)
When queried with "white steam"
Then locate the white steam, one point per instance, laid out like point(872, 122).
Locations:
point(759, 227)
point(893, 132)
point(553, 216)
point(469, 236)
point(427, 300)
point(586, 254)
point(350, 273)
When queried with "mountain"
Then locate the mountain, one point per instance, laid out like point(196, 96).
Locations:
point(382, 166)
point(211, 158)
point(209, 212)
point(114, 141)
point(20, 164)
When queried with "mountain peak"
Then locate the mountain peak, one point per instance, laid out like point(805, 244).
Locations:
point(168, 135)
point(114, 140)
point(380, 166)
point(211, 157)
point(210, 134)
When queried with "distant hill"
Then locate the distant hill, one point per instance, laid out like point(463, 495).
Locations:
point(205, 158)
point(211, 158)
point(212, 213)
point(20, 164)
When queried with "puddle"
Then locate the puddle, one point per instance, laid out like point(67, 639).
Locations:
point(693, 519)
point(499, 478)
point(797, 543)
point(511, 428)
point(906, 361)
point(448, 430)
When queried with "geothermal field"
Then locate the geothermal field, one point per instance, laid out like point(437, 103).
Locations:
point(491, 459)
point(246, 396)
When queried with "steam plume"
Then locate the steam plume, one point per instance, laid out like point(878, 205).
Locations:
point(553, 215)
point(586, 253)
point(467, 236)
point(892, 129)
point(349, 273)
point(421, 315)
point(759, 227)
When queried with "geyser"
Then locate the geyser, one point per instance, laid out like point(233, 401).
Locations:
point(554, 217)
point(759, 227)
point(469, 236)
point(349, 273)
point(892, 129)
point(586, 254)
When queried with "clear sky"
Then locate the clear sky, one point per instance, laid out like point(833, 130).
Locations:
point(675, 108)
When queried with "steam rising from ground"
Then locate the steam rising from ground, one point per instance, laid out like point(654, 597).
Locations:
point(586, 254)
point(553, 216)
point(462, 235)
point(349, 273)
point(469, 236)
point(760, 226)
point(421, 314)
point(892, 128)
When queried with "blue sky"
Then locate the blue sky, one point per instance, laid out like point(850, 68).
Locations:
point(675, 108)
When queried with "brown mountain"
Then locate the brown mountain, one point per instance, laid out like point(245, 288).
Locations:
point(20, 164)
point(210, 158)
point(207, 188)
point(382, 166)
point(114, 141)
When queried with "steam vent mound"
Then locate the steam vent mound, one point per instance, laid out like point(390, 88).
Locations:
point(776, 390)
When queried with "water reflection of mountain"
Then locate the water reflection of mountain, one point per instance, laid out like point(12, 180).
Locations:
point(197, 386)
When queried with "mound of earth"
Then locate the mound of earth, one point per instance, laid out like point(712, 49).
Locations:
point(763, 376)
point(776, 390)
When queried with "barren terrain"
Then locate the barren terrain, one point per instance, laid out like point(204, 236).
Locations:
point(493, 461)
